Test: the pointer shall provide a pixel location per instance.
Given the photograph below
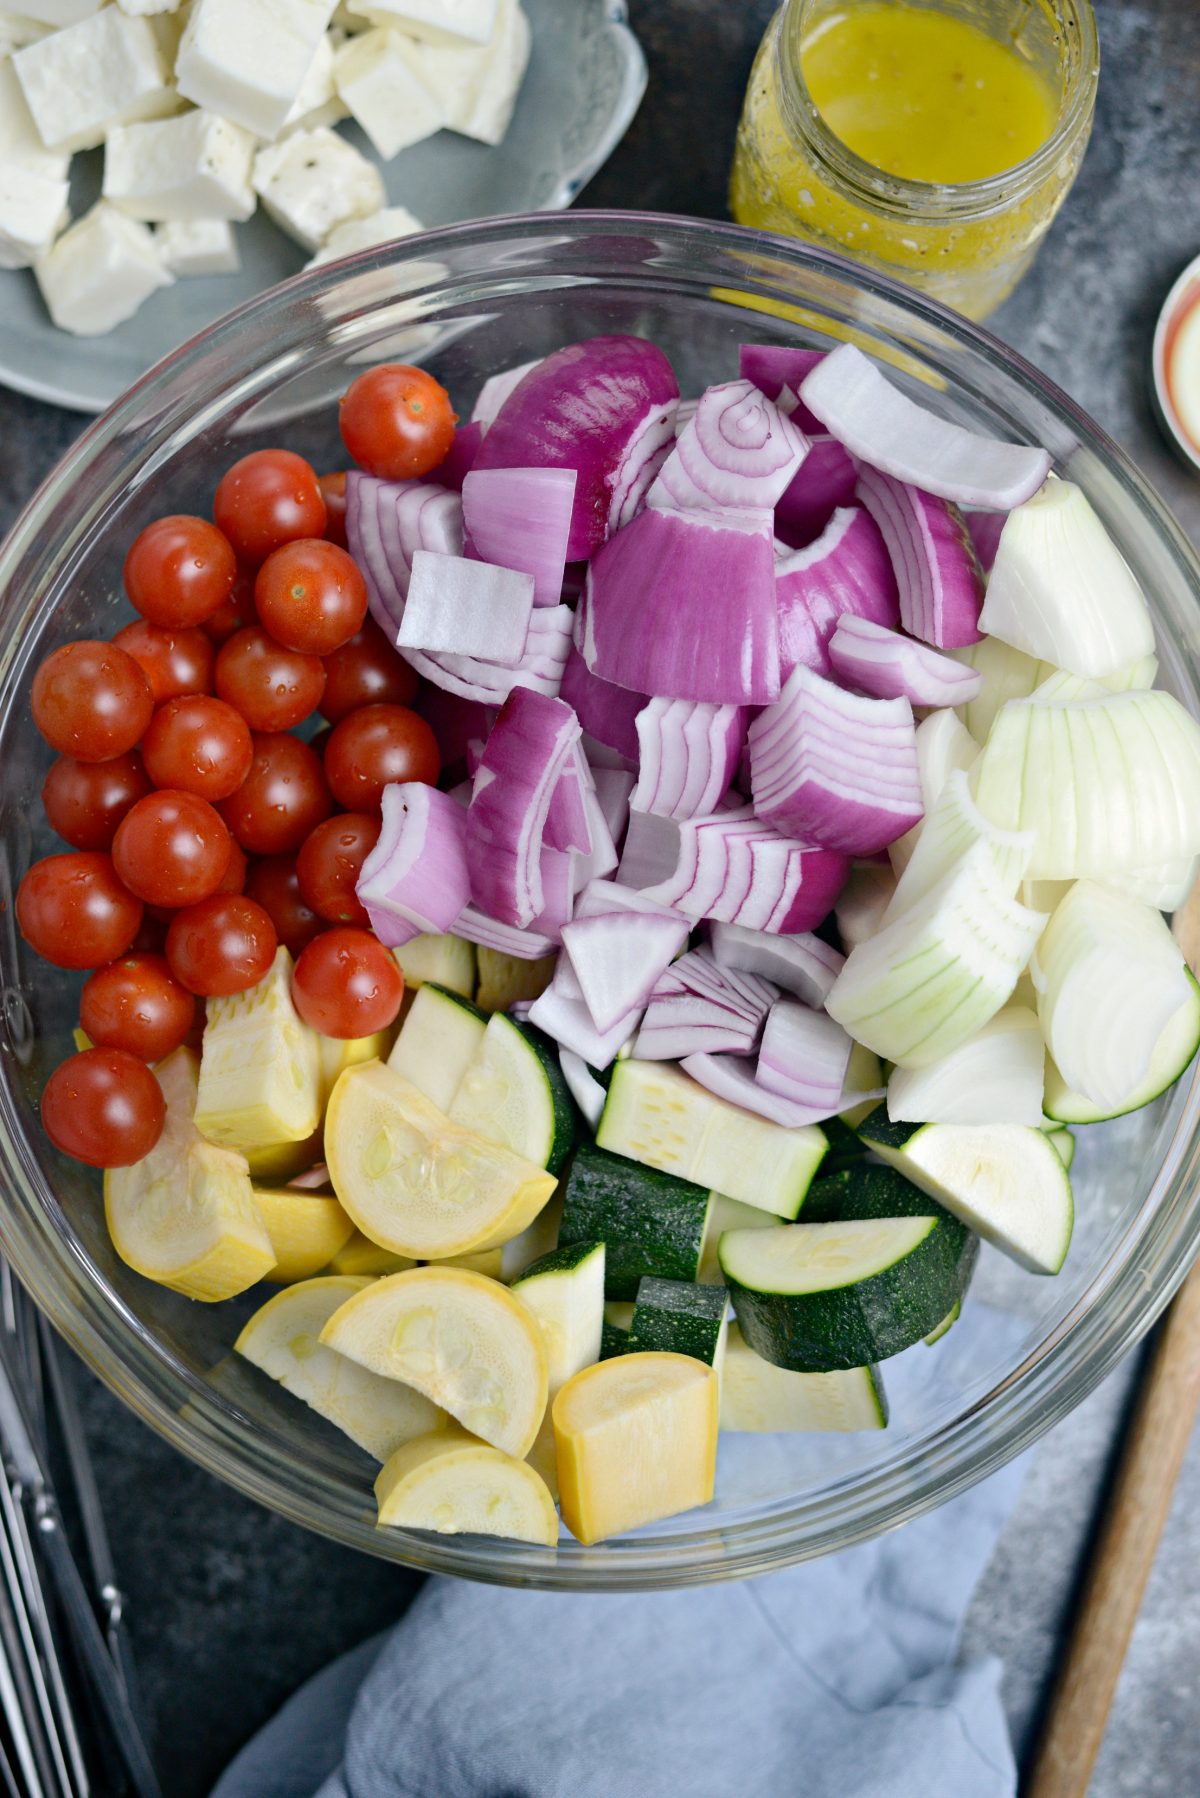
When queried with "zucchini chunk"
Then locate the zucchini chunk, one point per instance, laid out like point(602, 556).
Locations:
point(729, 1214)
point(951, 1318)
point(307, 1229)
point(683, 1319)
point(565, 1292)
point(657, 1115)
point(614, 1334)
point(185, 1214)
point(458, 1337)
point(415, 1182)
point(260, 1073)
point(282, 1338)
point(757, 1396)
point(1005, 1181)
point(536, 1239)
point(637, 1440)
point(649, 1222)
point(818, 1297)
point(505, 980)
point(437, 1042)
point(457, 1486)
point(1064, 1145)
point(448, 961)
point(866, 1190)
point(512, 1091)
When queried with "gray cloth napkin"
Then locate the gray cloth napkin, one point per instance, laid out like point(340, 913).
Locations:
point(835, 1679)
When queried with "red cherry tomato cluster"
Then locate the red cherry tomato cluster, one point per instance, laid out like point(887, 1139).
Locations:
point(202, 833)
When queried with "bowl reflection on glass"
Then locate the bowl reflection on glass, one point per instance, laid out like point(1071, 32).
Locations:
point(468, 301)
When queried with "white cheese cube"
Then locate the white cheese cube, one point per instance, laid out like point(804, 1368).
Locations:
point(107, 70)
point(377, 77)
point(141, 9)
point(99, 272)
point(56, 13)
point(313, 180)
point(435, 21)
point(195, 166)
point(247, 59)
point(318, 102)
point(477, 89)
point(366, 233)
point(33, 209)
point(20, 140)
point(198, 247)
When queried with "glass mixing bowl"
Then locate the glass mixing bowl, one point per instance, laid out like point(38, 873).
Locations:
point(468, 301)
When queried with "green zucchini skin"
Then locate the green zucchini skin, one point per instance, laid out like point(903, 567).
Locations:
point(613, 1341)
point(447, 992)
point(877, 1127)
point(863, 1192)
point(568, 1120)
point(679, 1317)
point(846, 1148)
point(562, 1260)
point(868, 1320)
point(650, 1222)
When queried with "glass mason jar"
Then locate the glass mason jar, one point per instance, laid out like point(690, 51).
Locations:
point(967, 244)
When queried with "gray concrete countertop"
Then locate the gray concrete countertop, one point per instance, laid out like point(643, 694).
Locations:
point(230, 1608)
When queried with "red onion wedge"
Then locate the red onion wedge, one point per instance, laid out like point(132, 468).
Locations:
point(526, 945)
point(882, 426)
point(466, 608)
point(605, 408)
point(835, 769)
point(804, 1057)
point(617, 959)
point(607, 712)
point(510, 800)
point(937, 571)
point(386, 523)
point(455, 722)
point(521, 518)
point(826, 480)
point(738, 452)
point(417, 877)
point(584, 1088)
point(847, 569)
point(557, 870)
point(682, 604)
point(689, 755)
point(540, 668)
point(613, 787)
point(600, 860)
point(883, 663)
point(495, 391)
point(461, 457)
point(731, 1078)
point(802, 965)
point(985, 529)
point(696, 1006)
point(650, 853)
point(568, 822)
point(773, 367)
point(737, 869)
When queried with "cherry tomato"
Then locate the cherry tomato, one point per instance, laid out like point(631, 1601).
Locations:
point(85, 801)
point(234, 878)
point(311, 596)
point(91, 700)
point(179, 570)
point(268, 498)
point(174, 662)
point(223, 945)
point(234, 614)
point(333, 492)
point(136, 1004)
point(198, 745)
point(272, 687)
point(346, 984)
point(330, 862)
point(375, 746)
point(274, 884)
point(396, 421)
point(152, 933)
point(283, 798)
point(103, 1107)
point(366, 671)
point(74, 911)
point(171, 848)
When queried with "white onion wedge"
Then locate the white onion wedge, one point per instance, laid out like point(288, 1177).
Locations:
point(943, 744)
point(802, 965)
point(995, 1077)
point(862, 902)
point(954, 829)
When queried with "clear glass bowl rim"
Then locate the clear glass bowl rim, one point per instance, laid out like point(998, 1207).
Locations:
point(1122, 1302)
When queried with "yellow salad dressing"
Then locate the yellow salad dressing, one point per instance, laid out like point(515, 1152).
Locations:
point(922, 95)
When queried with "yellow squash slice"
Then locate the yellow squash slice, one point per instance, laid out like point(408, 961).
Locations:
point(336, 1054)
point(185, 1215)
point(260, 1073)
point(416, 1183)
point(456, 1485)
point(282, 1161)
point(283, 1339)
point(458, 1337)
point(306, 1229)
point(543, 1456)
point(359, 1255)
point(637, 1440)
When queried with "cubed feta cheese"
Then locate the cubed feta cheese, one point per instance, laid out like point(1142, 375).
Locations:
point(195, 166)
point(56, 13)
point(318, 102)
point(477, 89)
point(107, 70)
point(247, 59)
point(20, 139)
point(33, 209)
point(313, 180)
point(377, 77)
point(366, 233)
point(436, 21)
point(142, 9)
point(198, 247)
point(99, 272)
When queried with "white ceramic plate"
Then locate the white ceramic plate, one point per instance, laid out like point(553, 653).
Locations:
point(586, 76)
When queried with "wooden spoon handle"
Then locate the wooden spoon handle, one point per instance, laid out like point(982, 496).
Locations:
point(1137, 1509)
